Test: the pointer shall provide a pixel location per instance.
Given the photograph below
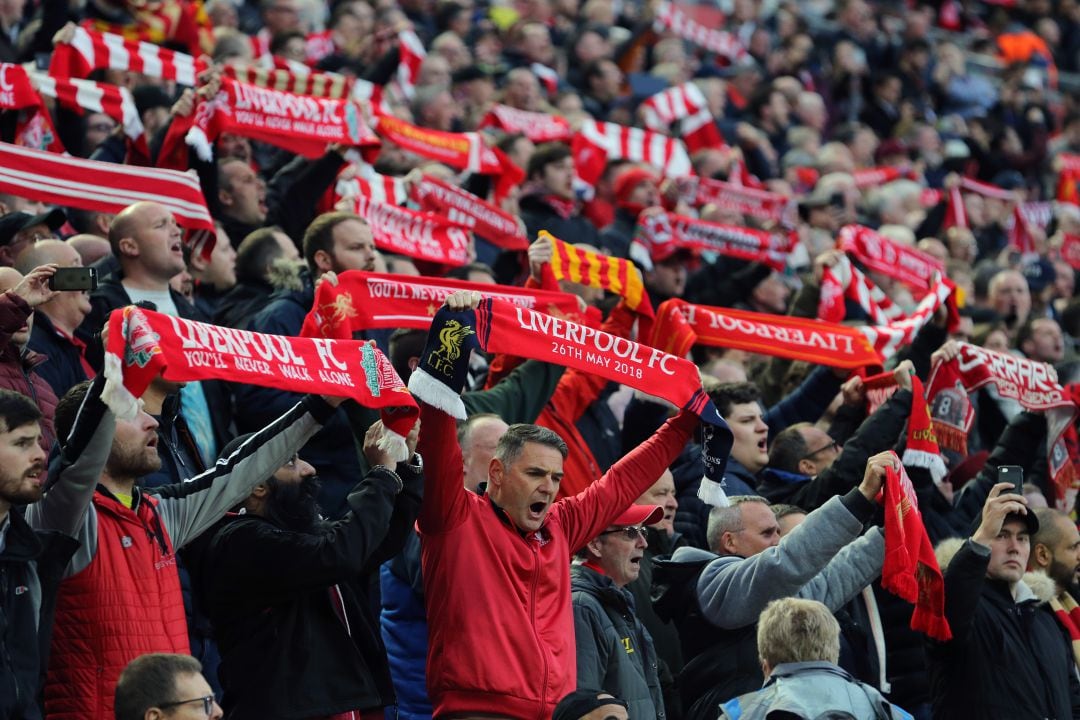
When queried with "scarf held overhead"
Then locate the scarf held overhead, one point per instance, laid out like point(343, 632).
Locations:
point(500, 327)
point(33, 125)
point(143, 344)
point(425, 236)
point(463, 208)
point(770, 248)
point(370, 301)
point(880, 254)
point(599, 271)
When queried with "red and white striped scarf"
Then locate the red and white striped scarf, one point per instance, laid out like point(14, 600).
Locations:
point(33, 126)
point(412, 57)
point(98, 97)
point(547, 77)
point(353, 181)
point(685, 104)
point(101, 186)
point(598, 142)
point(844, 280)
point(671, 16)
point(876, 252)
point(316, 84)
point(469, 211)
point(90, 50)
point(538, 127)
point(887, 339)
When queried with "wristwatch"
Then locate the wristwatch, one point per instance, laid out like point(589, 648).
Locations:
point(390, 471)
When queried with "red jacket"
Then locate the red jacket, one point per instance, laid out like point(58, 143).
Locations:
point(134, 566)
point(501, 629)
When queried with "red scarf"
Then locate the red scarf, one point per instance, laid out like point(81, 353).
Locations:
point(987, 190)
point(599, 271)
point(425, 236)
point(844, 280)
point(770, 248)
point(33, 128)
point(1026, 381)
point(300, 124)
point(888, 339)
point(876, 176)
point(760, 204)
point(598, 142)
point(684, 104)
point(143, 344)
point(880, 254)
point(102, 186)
point(1070, 250)
point(372, 185)
point(368, 301)
point(783, 336)
point(699, 24)
point(911, 570)
point(315, 84)
point(91, 50)
point(1069, 175)
point(537, 126)
point(467, 210)
point(167, 22)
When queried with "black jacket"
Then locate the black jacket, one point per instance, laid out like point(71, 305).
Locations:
point(539, 215)
point(293, 613)
point(242, 303)
point(1008, 659)
point(63, 369)
point(31, 567)
point(615, 239)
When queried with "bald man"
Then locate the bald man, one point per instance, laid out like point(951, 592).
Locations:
point(147, 243)
point(91, 248)
point(55, 322)
point(1055, 551)
point(18, 297)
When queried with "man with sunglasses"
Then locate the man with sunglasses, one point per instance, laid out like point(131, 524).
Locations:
point(614, 650)
point(164, 685)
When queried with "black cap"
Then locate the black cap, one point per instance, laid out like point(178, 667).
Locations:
point(580, 703)
point(150, 96)
point(14, 223)
point(470, 73)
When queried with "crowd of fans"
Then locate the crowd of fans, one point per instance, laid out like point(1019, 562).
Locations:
point(247, 548)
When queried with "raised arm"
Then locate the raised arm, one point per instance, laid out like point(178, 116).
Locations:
point(232, 478)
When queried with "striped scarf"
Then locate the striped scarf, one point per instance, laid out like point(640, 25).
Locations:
point(1068, 614)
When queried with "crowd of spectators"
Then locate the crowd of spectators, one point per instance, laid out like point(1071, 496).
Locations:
point(246, 550)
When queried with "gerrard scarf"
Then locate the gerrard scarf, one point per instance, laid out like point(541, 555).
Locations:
point(599, 271)
point(760, 204)
point(33, 125)
point(770, 248)
point(910, 570)
point(500, 327)
point(876, 252)
point(1028, 382)
point(698, 24)
point(421, 235)
point(814, 341)
point(299, 123)
point(539, 127)
point(143, 344)
point(369, 301)
point(462, 208)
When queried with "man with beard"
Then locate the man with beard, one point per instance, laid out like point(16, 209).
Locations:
point(288, 594)
point(31, 562)
point(120, 597)
point(1055, 550)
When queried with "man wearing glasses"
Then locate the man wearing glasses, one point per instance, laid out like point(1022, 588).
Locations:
point(163, 685)
point(614, 650)
point(20, 230)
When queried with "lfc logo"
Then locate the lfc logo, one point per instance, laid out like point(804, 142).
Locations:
point(333, 314)
point(142, 341)
point(450, 339)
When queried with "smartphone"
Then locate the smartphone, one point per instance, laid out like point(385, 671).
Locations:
point(74, 278)
point(1012, 474)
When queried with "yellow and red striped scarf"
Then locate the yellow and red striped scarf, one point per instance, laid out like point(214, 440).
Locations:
point(599, 271)
point(1068, 614)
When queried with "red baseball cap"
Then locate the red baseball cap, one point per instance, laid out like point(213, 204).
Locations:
point(640, 515)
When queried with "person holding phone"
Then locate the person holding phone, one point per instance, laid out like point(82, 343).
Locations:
point(1008, 657)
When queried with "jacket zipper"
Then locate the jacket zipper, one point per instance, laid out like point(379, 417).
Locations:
point(534, 546)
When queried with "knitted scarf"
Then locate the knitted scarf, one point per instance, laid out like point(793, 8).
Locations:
point(880, 254)
point(598, 142)
point(537, 126)
point(33, 126)
point(760, 204)
point(421, 235)
point(599, 271)
point(143, 344)
point(1067, 613)
point(910, 569)
point(462, 208)
point(366, 301)
point(770, 248)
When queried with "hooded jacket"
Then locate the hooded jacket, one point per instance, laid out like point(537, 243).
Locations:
point(614, 650)
point(1009, 659)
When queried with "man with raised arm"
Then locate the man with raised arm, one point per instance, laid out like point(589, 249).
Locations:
point(508, 552)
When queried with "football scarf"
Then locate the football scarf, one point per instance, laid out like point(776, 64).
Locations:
point(33, 126)
point(598, 142)
point(770, 248)
point(425, 236)
point(91, 50)
point(537, 126)
point(599, 271)
point(686, 105)
point(760, 204)
point(1067, 613)
point(462, 208)
point(876, 252)
point(680, 18)
point(1068, 176)
point(143, 344)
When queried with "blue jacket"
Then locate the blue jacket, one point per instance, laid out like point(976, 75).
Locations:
point(404, 631)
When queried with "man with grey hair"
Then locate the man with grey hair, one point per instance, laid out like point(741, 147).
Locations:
point(716, 597)
point(799, 644)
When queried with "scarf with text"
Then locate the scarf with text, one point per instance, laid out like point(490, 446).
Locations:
point(373, 301)
point(104, 187)
point(143, 344)
point(598, 142)
point(84, 96)
point(876, 176)
point(1030, 383)
point(537, 126)
point(599, 271)
point(910, 569)
point(1068, 189)
point(686, 20)
point(686, 105)
point(298, 123)
point(420, 235)
point(1070, 250)
point(90, 50)
point(876, 252)
point(33, 126)
point(760, 204)
point(769, 248)
point(845, 281)
point(462, 208)
point(1067, 613)
point(814, 341)
point(500, 327)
